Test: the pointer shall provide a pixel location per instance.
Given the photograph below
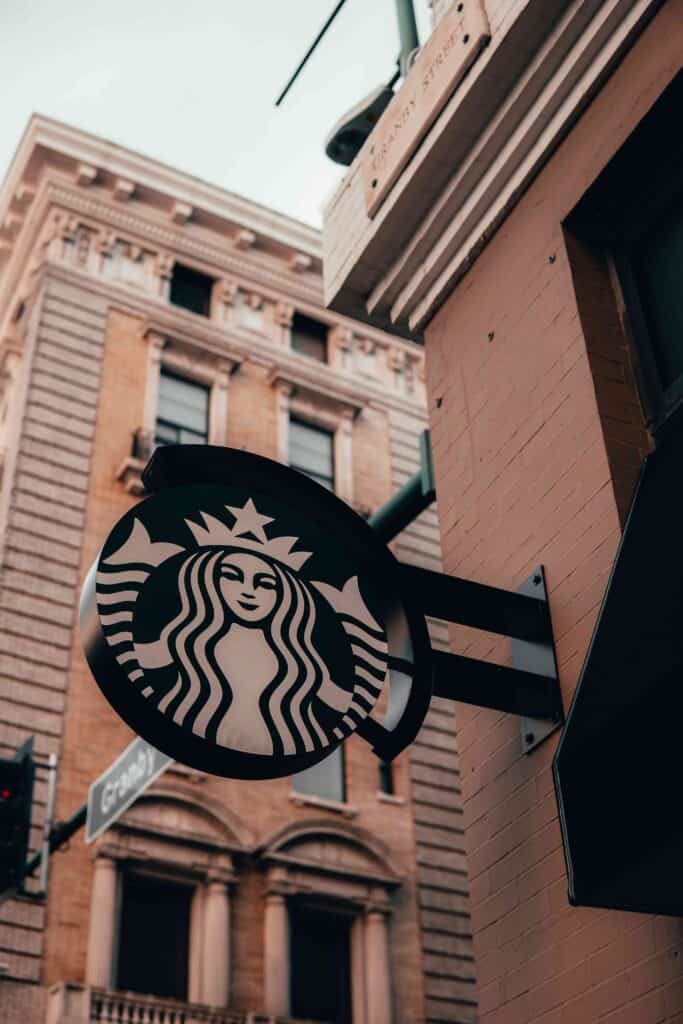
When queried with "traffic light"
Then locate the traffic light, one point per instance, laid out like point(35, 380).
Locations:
point(16, 795)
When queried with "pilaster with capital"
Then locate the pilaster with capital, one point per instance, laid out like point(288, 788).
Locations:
point(276, 957)
point(218, 413)
point(343, 455)
point(283, 316)
point(223, 299)
point(283, 394)
point(216, 948)
point(155, 347)
point(100, 955)
point(163, 269)
point(340, 354)
point(377, 965)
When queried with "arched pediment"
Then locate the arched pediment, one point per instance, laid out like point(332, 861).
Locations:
point(174, 811)
point(332, 848)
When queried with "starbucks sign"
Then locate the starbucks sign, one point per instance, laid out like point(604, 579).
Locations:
point(245, 621)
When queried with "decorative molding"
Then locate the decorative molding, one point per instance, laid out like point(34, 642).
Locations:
point(181, 213)
point(245, 240)
point(25, 194)
point(247, 267)
point(230, 341)
point(326, 390)
point(300, 263)
point(123, 189)
point(85, 175)
point(497, 131)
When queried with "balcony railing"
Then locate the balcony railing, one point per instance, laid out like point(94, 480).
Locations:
point(131, 1008)
point(70, 1003)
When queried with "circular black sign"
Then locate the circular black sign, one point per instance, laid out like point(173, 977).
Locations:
point(247, 622)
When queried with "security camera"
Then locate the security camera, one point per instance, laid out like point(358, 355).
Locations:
point(350, 132)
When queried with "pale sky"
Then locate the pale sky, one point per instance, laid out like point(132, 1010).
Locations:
point(194, 84)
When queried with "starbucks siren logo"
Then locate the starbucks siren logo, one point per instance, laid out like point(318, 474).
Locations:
point(241, 656)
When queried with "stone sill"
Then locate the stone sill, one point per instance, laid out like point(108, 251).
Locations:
point(308, 800)
point(129, 473)
point(390, 798)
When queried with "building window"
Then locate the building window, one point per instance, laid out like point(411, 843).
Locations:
point(182, 411)
point(154, 937)
point(325, 780)
point(311, 451)
point(309, 337)
point(386, 778)
point(191, 289)
point(634, 212)
point(320, 968)
point(656, 264)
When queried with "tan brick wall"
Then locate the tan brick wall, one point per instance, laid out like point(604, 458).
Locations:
point(529, 471)
point(94, 735)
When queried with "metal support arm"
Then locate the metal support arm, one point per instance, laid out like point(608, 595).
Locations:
point(416, 495)
point(495, 686)
point(475, 604)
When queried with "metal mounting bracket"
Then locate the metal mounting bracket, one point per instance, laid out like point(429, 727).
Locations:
point(530, 688)
point(537, 657)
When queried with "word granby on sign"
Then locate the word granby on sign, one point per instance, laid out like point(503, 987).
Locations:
point(116, 789)
point(248, 622)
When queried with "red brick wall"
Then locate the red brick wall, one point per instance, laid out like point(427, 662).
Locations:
point(537, 437)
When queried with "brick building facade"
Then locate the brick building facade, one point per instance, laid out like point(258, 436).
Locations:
point(140, 305)
point(536, 223)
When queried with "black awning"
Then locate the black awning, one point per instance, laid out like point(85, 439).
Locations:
point(619, 766)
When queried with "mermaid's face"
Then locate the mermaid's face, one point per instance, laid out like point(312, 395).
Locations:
point(248, 586)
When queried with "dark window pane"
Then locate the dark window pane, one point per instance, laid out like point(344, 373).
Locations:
point(309, 337)
point(386, 777)
point(325, 779)
point(154, 937)
point(191, 289)
point(320, 980)
point(658, 269)
point(311, 451)
point(182, 411)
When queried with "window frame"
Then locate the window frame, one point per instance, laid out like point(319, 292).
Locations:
point(615, 214)
point(325, 329)
point(126, 871)
point(307, 795)
point(306, 907)
point(173, 374)
point(185, 268)
point(318, 477)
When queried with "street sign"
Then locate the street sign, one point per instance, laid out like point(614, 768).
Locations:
point(246, 621)
point(122, 783)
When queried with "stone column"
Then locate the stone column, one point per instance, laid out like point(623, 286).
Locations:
point(343, 456)
point(98, 968)
point(378, 975)
point(276, 956)
point(218, 411)
point(216, 965)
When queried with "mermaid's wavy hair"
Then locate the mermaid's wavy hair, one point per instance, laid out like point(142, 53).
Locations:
point(202, 694)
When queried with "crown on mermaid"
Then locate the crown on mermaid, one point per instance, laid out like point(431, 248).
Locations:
point(247, 521)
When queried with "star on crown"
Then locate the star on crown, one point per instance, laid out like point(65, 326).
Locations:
point(248, 532)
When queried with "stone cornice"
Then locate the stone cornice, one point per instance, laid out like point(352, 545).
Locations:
point(492, 138)
point(97, 153)
point(217, 257)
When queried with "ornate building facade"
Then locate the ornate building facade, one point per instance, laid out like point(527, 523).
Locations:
point(139, 306)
